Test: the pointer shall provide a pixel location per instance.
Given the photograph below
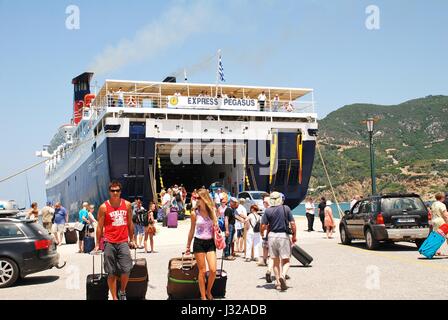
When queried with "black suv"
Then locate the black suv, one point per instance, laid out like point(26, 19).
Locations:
point(25, 248)
point(388, 217)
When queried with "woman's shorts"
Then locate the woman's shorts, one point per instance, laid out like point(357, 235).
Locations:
point(239, 233)
point(138, 229)
point(82, 234)
point(203, 246)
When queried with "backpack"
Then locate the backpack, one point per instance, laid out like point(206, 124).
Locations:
point(143, 217)
point(257, 225)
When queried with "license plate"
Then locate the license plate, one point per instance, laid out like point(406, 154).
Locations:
point(406, 220)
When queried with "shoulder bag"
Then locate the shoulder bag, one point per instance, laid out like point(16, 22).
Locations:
point(287, 227)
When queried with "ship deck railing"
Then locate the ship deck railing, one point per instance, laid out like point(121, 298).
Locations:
point(152, 101)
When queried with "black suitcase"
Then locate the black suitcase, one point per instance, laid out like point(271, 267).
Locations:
point(301, 255)
point(89, 244)
point(96, 284)
point(165, 221)
point(138, 280)
point(71, 236)
point(219, 286)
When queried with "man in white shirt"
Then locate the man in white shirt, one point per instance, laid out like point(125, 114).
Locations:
point(309, 208)
point(120, 97)
point(240, 216)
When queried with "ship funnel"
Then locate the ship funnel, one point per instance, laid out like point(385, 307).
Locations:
point(81, 86)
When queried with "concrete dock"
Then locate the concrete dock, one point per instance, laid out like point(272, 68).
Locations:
point(337, 272)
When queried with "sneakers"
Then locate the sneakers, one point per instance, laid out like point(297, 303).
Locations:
point(248, 260)
point(122, 295)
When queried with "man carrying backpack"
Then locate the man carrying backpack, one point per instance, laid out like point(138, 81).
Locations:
point(140, 220)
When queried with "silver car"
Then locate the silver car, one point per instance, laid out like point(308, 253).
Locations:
point(252, 197)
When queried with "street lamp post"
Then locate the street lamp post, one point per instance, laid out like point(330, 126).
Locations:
point(370, 122)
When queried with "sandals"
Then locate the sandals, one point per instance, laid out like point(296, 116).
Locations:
point(268, 277)
point(283, 285)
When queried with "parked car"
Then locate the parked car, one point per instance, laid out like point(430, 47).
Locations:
point(389, 217)
point(252, 197)
point(25, 248)
point(8, 208)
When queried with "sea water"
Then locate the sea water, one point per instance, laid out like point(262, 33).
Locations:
point(300, 209)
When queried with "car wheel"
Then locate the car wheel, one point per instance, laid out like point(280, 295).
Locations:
point(371, 242)
point(9, 272)
point(419, 242)
point(345, 239)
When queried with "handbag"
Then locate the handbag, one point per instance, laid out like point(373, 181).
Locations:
point(220, 241)
point(287, 227)
point(79, 226)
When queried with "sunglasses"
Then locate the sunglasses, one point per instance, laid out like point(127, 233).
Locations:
point(115, 190)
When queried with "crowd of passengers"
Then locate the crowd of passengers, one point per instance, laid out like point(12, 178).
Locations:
point(117, 99)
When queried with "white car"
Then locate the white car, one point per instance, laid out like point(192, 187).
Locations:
point(253, 197)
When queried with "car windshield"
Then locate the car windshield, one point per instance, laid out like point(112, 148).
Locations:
point(402, 204)
point(257, 195)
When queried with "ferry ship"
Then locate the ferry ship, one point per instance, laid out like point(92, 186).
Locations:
point(151, 135)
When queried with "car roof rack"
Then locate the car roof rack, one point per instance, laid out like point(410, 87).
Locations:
point(399, 194)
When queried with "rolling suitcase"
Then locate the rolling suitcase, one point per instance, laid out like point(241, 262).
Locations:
point(89, 244)
point(96, 284)
point(172, 218)
point(160, 215)
point(183, 278)
point(301, 255)
point(138, 280)
point(432, 244)
point(181, 215)
point(219, 286)
point(71, 236)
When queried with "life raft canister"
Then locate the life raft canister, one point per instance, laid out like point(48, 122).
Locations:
point(130, 101)
point(88, 99)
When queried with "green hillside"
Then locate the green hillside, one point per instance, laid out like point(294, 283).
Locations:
point(411, 147)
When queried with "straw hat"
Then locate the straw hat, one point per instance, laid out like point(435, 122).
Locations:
point(275, 199)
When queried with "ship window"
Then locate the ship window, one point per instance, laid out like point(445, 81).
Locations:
point(281, 172)
point(293, 177)
point(112, 128)
point(140, 167)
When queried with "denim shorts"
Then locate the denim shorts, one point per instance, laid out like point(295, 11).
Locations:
point(138, 229)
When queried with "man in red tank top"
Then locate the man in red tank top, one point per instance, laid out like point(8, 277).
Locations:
point(115, 224)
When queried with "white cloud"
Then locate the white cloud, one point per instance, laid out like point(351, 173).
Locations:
point(175, 26)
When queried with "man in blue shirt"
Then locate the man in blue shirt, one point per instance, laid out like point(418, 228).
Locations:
point(84, 219)
point(60, 219)
point(278, 220)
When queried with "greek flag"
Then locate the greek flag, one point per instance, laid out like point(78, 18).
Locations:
point(221, 70)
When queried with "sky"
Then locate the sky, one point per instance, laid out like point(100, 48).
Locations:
point(339, 48)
